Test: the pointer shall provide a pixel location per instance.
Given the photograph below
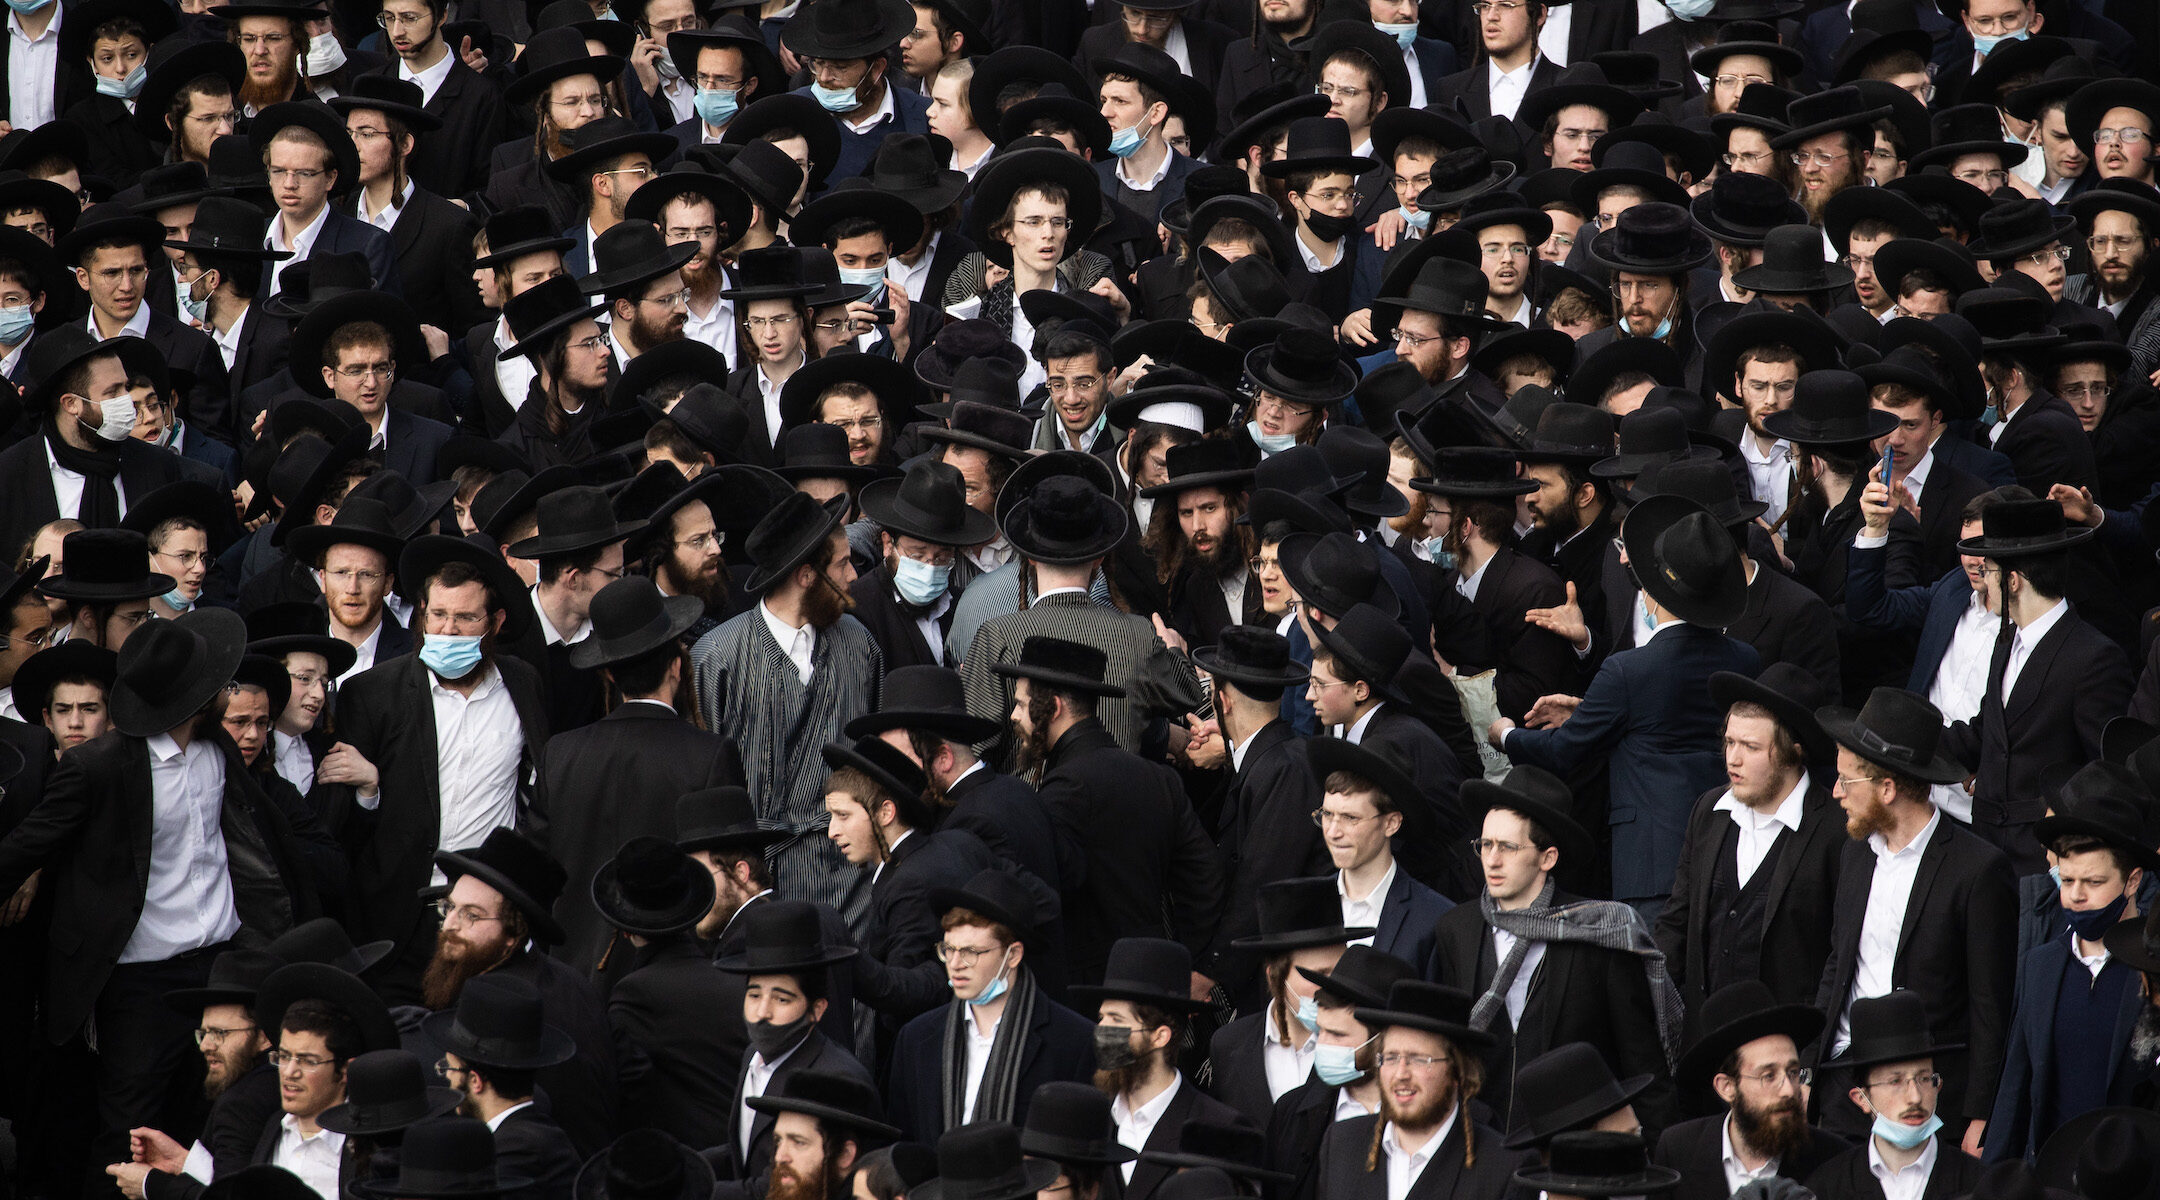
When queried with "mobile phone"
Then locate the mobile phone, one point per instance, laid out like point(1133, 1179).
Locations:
point(883, 316)
point(1887, 453)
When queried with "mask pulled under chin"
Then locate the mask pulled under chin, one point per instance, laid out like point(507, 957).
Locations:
point(771, 1038)
point(1272, 443)
point(1904, 1136)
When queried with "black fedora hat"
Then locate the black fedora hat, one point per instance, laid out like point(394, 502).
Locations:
point(788, 536)
point(359, 522)
point(172, 65)
point(2014, 228)
point(1384, 766)
point(1300, 914)
point(553, 54)
point(1319, 144)
point(721, 818)
point(266, 675)
point(1257, 114)
point(2062, 78)
point(1735, 1015)
point(644, 1164)
point(445, 1158)
point(2009, 318)
point(1012, 170)
point(542, 311)
point(1454, 289)
point(169, 670)
point(1800, 330)
point(815, 450)
point(1890, 1028)
point(793, 111)
point(2101, 1154)
point(324, 940)
point(1247, 289)
point(731, 204)
point(1706, 481)
point(1065, 521)
point(1745, 37)
point(651, 888)
point(1790, 693)
point(2018, 529)
point(340, 989)
point(1598, 1163)
point(1565, 1089)
point(1335, 573)
point(929, 502)
point(1536, 794)
point(2117, 195)
point(1176, 396)
point(783, 937)
point(1827, 111)
point(527, 876)
point(1686, 561)
point(2090, 103)
point(508, 498)
point(1651, 436)
point(2136, 941)
point(1354, 450)
point(846, 28)
point(235, 976)
point(387, 1091)
point(1234, 1148)
point(1651, 238)
point(897, 390)
point(317, 119)
point(629, 255)
point(1064, 665)
point(2103, 800)
point(833, 1098)
point(927, 698)
point(898, 777)
point(1968, 129)
point(1567, 432)
point(1362, 975)
point(631, 619)
point(1631, 164)
point(207, 505)
point(413, 510)
point(770, 273)
point(1793, 264)
point(1430, 1007)
point(1895, 729)
point(1371, 644)
point(979, 416)
point(1830, 408)
point(573, 520)
point(914, 167)
point(1145, 970)
point(1762, 107)
point(515, 232)
point(1069, 1123)
point(1879, 28)
point(1474, 471)
point(1577, 83)
point(998, 895)
point(1251, 657)
point(596, 142)
point(736, 30)
point(1460, 174)
point(1947, 259)
point(326, 318)
point(958, 343)
point(1209, 463)
point(391, 96)
point(171, 185)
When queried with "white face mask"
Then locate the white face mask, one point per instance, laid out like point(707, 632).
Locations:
point(115, 418)
point(324, 55)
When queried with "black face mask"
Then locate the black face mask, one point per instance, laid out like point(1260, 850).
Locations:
point(1326, 228)
point(1113, 1048)
point(772, 1040)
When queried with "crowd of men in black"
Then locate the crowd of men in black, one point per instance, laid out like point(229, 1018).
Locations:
point(678, 600)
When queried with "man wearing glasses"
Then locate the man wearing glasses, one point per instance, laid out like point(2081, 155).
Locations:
point(1898, 1089)
point(1749, 1054)
point(454, 162)
point(306, 152)
point(1831, 134)
point(2114, 125)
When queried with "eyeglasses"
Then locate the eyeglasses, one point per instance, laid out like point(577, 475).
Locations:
point(593, 100)
point(467, 915)
point(376, 370)
point(962, 956)
point(1336, 91)
point(833, 326)
point(1482, 846)
point(207, 1034)
point(303, 1063)
point(1762, 387)
point(717, 83)
point(1413, 341)
point(1335, 195)
point(679, 299)
point(443, 1069)
point(1320, 685)
point(186, 558)
point(307, 679)
point(1843, 782)
point(700, 542)
point(1148, 20)
point(2129, 136)
point(1797, 1076)
point(1323, 818)
point(1510, 250)
point(1079, 383)
point(2083, 391)
point(368, 133)
point(1982, 179)
point(1898, 1083)
point(347, 576)
point(1561, 241)
point(1411, 182)
point(597, 341)
point(36, 641)
point(258, 724)
point(1746, 160)
point(1257, 565)
point(1040, 222)
point(391, 20)
point(1420, 1062)
point(1578, 135)
point(135, 619)
point(865, 425)
point(1993, 23)
point(2103, 244)
point(1281, 407)
point(677, 234)
point(641, 171)
point(1738, 81)
point(1819, 158)
point(753, 324)
point(449, 621)
point(2050, 254)
point(1499, 6)
point(296, 174)
point(1208, 327)
point(613, 575)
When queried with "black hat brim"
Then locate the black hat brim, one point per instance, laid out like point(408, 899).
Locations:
point(620, 911)
point(224, 636)
point(1842, 725)
point(455, 863)
point(346, 1118)
point(807, 540)
point(318, 981)
point(1700, 1061)
point(1645, 524)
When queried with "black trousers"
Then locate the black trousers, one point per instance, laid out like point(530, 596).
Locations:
point(148, 1069)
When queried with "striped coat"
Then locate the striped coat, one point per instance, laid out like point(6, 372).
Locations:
point(1135, 655)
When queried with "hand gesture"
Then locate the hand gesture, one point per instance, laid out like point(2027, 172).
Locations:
point(2077, 504)
point(1109, 290)
point(157, 1150)
point(645, 59)
point(1205, 748)
point(1496, 733)
point(1566, 620)
point(896, 298)
point(438, 342)
point(1875, 509)
point(1388, 229)
point(128, 1177)
point(1357, 328)
point(1551, 712)
point(346, 765)
point(18, 906)
point(475, 57)
point(1170, 637)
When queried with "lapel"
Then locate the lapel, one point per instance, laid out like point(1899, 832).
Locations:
point(1163, 1139)
point(806, 1058)
point(1393, 909)
point(1814, 824)
point(411, 223)
point(2032, 678)
point(135, 782)
point(421, 758)
point(1443, 1171)
point(1931, 865)
point(1717, 826)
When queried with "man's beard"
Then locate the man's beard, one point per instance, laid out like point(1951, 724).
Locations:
point(1778, 1130)
point(682, 581)
point(1412, 523)
point(258, 96)
point(1426, 1115)
point(2133, 279)
point(787, 1185)
point(825, 603)
point(1117, 1081)
point(2145, 1036)
point(234, 1064)
point(656, 333)
point(1225, 558)
point(1817, 200)
point(1294, 25)
point(1034, 747)
point(1562, 523)
point(456, 962)
point(468, 1107)
point(1873, 819)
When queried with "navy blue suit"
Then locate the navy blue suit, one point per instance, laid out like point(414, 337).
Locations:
point(198, 446)
point(1971, 457)
point(1933, 609)
point(411, 443)
point(1408, 919)
point(343, 233)
point(1648, 712)
point(911, 114)
point(1825, 31)
point(2026, 1108)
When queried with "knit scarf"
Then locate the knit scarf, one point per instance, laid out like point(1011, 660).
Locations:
point(1604, 923)
point(1001, 1075)
point(100, 470)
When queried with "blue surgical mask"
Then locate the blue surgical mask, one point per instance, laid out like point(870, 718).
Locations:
point(1308, 1014)
point(123, 89)
point(1336, 1065)
point(1904, 1136)
point(1126, 142)
point(1434, 550)
point(27, 6)
point(450, 656)
point(835, 100)
point(1272, 443)
point(1985, 45)
point(716, 107)
point(870, 277)
point(2093, 923)
point(177, 600)
point(197, 310)
point(2055, 873)
point(1403, 34)
point(1690, 10)
point(1417, 219)
point(998, 985)
point(920, 583)
point(15, 323)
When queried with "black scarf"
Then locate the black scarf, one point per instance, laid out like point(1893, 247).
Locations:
point(1001, 1075)
point(100, 470)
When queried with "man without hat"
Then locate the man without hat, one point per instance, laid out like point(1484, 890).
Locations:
point(1954, 942)
point(494, 1044)
point(1748, 1053)
point(1431, 1067)
point(1896, 1084)
point(832, 666)
point(619, 777)
point(1758, 867)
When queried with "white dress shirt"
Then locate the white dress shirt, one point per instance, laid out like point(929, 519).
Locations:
point(31, 66)
point(1507, 87)
point(1418, 97)
point(757, 1075)
point(1404, 1166)
point(228, 342)
point(137, 325)
point(188, 897)
point(978, 1061)
point(1759, 830)
point(313, 1157)
point(1286, 1066)
point(387, 218)
point(1769, 473)
point(549, 634)
point(1233, 591)
point(797, 644)
point(878, 116)
point(1888, 894)
point(1518, 993)
point(301, 246)
point(430, 78)
point(912, 279)
point(1908, 1181)
point(1154, 180)
point(1357, 914)
point(769, 395)
point(1736, 1175)
point(513, 376)
point(1553, 38)
point(294, 761)
point(478, 741)
point(2025, 639)
point(1135, 1124)
point(1175, 46)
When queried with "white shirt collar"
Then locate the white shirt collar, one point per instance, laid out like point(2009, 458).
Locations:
point(137, 325)
point(303, 245)
point(496, 1122)
point(1237, 752)
point(1154, 179)
point(1914, 848)
point(387, 217)
point(2028, 636)
point(1356, 732)
point(1787, 813)
point(431, 78)
point(15, 26)
point(1423, 1154)
point(1150, 1112)
point(883, 112)
point(1923, 1167)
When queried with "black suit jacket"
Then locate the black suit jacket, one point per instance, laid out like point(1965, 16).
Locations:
point(1205, 42)
point(433, 241)
point(1409, 920)
point(27, 500)
point(1295, 1128)
point(530, 1145)
point(452, 161)
point(2044, 441)
point(1942, 513)
point(877, 606)
point(614, 780)
point(1797, 908)
point(1786, 622)
point(1849, 1177)
point(1263, 834)
point(118, 150)
point(1469, 89)
point(1240, 1067)
point(1957, 948)
point(344, 233)
point(1011, 819)
point(732, 1045)
point(1060, 1045)
point(1530, 661)
point(1696, 1149)
point(903, 977)
point(259, 356)
point(206, 403)
point(817, 1053)
point(1344, 1151)
point(1189, 1104)
point(1430, 847)
point(667, 1016)
point(412, 443)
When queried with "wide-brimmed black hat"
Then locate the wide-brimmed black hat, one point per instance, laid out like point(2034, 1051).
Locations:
point(2062, 78)
point(1006, 174)
point(896, 389)
point(589, 145)
point(786, 538)
point(413, 510)
point(783, 937)
point(515, 232)
point(1474, 471)
point(573, 520)
point(169, 670)
point(816, 450)
point(1300, 914)
point(266, 675)
point(958, 343)
point(846, 28)
point(898, 217)
point(1890, 1028)
point(1246, 289)
point(1209, 463)
point(1762, 107)
point(305, 347)
point(2014, 228)
point(1830, 408)
point(317, 119)
point(235, 976)
point(541, 311)
point(553, 54)
point(276, 630)
point(1232, 1147)
point(1651, 238)
point(505, 500)
point(1947, 259)
point(1370, 643)
point(2009, 318)
point(2117, 195)
point(899, 777)
point(1563, 1089)
point(2135, 941)
point(913, 167)
point(340, 989)
point(1879, 28)
point(1567, 432)
point(759, 171)
point(1793, 264)
point(1735, 1015)
point(170, 185)
point(1382, 765)
point(172, 65)
point(833, 1098)
point(1319, 144)
point(1704, 479)
point(731, 204)
point(1069, 1122)
point(1454, 289)
point(2090, 103)
point(721, 818)
point(1258, 113)
point(1686, 561)
point(1800, 330)
point(1598, 1163)
point(631, 619)
point(2100, 1154)
point(1790, 693)
point(387, 94)
point(359, 522)
point(928, 502)
point(1745, 37)
point(386, 1091)
point(644, 1164)
point(1827, 111)
point(1536, 794)
point(1631, 164)
point(2019, 529)
point(981, 413)
point(1362, 975)
point(1251, 656)
point(1145, 970)
point(512, 864)
point(651, 888)
point(927, 698)
point(324, 940)
point(1895, 729)
point(1335, 573)
point(736, 30)
point(1968, 129)
point(1065, 521)
point(629, 255)
point(445, 1158)
point(1064, 665)
point(1651, 436)
point(1431, 1007)
point(998, 895)
point(1356, 452)
point(1174, 396)
point(1578, 83)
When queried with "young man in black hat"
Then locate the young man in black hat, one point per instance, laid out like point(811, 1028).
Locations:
point(433, 238)
point(467, 108)
point(1298, 934)
point(307, 153)
point(1137, 83)
point(564, 85)
point(822, 1125)
point(1897, 1084)
point(803, 571)
point(924, 522)
point(1362, 794)
point(1346, 1073)
point(522, 251)
point(1146, 852)
point(493, 1044)
point(1200, 547)
point(355, 556)
point(219, 272)
point(1953, 940)
point(983, 1054)
point(1748, 1053)
point(579, 546)
point(1570, 1089)
point(111, 255)
point(2034, 427)
point(107, 596)
point(846, 42)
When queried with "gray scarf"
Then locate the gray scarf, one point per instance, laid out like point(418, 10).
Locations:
point(1001, 1075)
point(1605, 923)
